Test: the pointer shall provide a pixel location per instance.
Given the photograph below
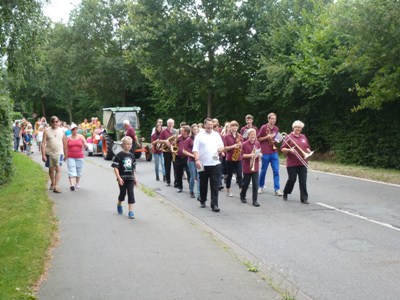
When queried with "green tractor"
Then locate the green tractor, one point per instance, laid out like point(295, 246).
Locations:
point(110, 145)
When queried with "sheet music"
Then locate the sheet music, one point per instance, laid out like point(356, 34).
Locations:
point(201, 168)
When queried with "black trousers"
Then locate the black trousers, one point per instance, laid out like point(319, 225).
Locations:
point(167, 164)
point(180, 166)
point(234, 167)
point(293, 172)
point(247, 177)
point(127, 187)
point(210, 173)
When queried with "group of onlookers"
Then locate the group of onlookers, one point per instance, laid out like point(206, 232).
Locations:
point(209, 154)
point(24, 134)
point(58, 142)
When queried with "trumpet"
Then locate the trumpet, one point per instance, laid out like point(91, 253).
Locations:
point(300, 154)
point(253, 160)
point(271, 142)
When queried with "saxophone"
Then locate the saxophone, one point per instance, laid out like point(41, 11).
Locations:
point(237, 151)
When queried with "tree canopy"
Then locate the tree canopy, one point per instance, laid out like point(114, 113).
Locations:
point(331, 64)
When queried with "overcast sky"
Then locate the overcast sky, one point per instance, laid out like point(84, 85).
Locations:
point(58, 10)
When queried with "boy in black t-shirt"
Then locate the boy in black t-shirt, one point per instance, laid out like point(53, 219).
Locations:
point(124, 168)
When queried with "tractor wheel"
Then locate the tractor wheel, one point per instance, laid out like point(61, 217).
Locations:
point(148, 154)
point(138, 155)
point(108, 154)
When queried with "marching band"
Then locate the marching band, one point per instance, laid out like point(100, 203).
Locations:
point(246, 152)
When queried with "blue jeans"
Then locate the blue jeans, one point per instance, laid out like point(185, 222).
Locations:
point(266, 160)
point(193, 177)
point(159, 159)
point(16, 143)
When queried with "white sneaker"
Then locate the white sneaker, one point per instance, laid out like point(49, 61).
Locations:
point(229, 194)
point(260, 190)
point(278, 193)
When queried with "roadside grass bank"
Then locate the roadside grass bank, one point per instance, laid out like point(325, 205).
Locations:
point(27, 228)
point(382, 175)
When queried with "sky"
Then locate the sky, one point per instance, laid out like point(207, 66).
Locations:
point(58, 10)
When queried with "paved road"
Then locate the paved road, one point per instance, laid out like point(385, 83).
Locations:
point(344, 245)
point(334, 248)
point(163, 254)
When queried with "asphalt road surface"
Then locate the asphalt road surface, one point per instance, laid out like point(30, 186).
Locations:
point(344, 245)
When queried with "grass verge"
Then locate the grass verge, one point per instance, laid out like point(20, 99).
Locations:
point(382, 175)
point(26, 229)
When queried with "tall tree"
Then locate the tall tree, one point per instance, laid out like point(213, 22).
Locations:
point(194, 51)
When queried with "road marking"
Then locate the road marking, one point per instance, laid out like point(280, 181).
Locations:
point(358, 216)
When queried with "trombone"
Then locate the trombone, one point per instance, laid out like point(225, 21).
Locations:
point(301, 154)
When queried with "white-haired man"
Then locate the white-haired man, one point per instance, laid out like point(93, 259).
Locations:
point(164, 136)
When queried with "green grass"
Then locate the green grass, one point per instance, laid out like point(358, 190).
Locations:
point(382, 175)
point(26, 229)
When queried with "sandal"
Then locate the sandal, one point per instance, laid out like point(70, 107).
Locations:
point(51, 187)
point(56, 190)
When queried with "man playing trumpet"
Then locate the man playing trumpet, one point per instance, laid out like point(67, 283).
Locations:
point(295, 146)
point(165, 138)
point(250, 157)
point(266, 137)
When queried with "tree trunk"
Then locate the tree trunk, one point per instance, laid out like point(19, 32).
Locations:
point(209, 103)
point(210, 92)
point(124, 97)
point(43, 98)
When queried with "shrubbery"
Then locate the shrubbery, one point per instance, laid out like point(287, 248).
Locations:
point(6, 140)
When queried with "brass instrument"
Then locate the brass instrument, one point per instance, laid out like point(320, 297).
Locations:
point(157, 145)
point(253, 160)
point(173, 139)
point(271, 141)
point(301, 154)
point(237, 151)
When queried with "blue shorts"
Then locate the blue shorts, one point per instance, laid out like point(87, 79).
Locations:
point(75, 167)
point(54, 161)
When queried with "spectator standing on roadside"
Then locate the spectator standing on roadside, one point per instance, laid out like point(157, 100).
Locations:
point(54, 151)
point(17, 135)
point(39, 137)
point(28, 139)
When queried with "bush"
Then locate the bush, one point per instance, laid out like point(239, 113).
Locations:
point(6, 140)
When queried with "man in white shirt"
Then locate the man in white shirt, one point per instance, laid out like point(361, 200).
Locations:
point(206, 149)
